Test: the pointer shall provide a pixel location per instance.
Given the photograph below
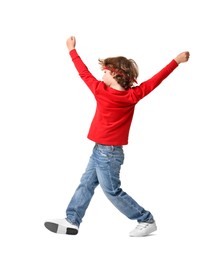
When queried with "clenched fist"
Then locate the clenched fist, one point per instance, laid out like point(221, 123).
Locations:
point(182, 57)
point(71, 43)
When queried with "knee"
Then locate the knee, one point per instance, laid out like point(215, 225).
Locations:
point(111, 192)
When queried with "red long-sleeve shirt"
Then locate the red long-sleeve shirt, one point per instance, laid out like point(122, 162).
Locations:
point(115, 109)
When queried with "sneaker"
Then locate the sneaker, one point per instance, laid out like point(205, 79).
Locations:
point(61, 226)
point(143, 229)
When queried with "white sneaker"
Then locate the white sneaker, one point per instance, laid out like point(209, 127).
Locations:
point(61, 226)
point(143, 229)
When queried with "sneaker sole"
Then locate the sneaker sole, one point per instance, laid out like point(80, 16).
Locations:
point(55, 228)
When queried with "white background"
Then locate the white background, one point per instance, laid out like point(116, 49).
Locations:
point(173, 163)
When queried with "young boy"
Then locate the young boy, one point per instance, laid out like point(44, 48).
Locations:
point(116, 97)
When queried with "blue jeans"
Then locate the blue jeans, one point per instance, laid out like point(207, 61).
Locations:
point(104, 169)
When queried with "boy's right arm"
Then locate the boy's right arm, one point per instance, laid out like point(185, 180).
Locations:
point(147, 86)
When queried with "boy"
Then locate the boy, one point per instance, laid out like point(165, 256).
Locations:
point(116, 97)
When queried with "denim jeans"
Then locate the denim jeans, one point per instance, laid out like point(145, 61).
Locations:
point(104, 169)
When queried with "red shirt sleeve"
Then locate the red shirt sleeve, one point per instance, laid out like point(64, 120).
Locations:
point(147, 86)
point(83, 71)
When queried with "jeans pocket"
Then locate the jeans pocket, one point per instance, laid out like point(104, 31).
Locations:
point(104, 153)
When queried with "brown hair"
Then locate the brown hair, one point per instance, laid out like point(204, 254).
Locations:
point(124, 70)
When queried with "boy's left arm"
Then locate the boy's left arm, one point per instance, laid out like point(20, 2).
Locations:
point(82, 69)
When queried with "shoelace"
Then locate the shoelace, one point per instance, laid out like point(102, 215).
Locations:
point(142, 225)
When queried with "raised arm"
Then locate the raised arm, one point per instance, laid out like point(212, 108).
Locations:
point(82, 69)
point(147, 86)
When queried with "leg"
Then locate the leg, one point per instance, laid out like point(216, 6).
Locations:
point(83, 194)
point(78, 204)
point(108, 161)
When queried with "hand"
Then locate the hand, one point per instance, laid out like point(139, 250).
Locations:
point(182, 57)
point(71, 43)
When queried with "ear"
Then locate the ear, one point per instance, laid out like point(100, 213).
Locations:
point(113, 74)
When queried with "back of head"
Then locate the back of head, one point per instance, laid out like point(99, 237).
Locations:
point(124, 70)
